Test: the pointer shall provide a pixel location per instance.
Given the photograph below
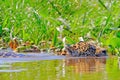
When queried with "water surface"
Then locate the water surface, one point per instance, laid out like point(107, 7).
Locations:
point(49, 67)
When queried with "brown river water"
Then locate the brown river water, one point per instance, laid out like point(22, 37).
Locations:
point(51, 67)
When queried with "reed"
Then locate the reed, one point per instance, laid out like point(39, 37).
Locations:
point(36, 21)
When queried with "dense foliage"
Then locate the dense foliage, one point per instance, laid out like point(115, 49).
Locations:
point(46, 20)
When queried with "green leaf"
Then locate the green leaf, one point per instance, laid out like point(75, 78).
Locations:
point(115, 42)
point(84, 18)
point(0, 30)
point(108, 19)
point(54, 41)
point(5, 22)
point(70, 40)
point(37, 17)
point(102, 4)
point(118, 34)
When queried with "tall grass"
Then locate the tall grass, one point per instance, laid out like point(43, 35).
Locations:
point(36, 20)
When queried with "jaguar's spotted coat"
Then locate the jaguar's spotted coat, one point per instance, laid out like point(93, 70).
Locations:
point(83, 48)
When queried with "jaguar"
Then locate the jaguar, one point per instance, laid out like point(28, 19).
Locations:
point(84, 48)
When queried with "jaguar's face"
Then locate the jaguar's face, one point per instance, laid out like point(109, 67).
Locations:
point(100, 51)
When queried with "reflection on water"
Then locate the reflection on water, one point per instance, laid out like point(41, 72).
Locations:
point(62, 69)
point(86, 64)
point(4, 65)
point(10, 68)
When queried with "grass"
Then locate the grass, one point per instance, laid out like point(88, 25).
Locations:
point(36, 20)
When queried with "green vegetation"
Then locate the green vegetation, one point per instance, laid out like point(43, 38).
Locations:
point(37, 20)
